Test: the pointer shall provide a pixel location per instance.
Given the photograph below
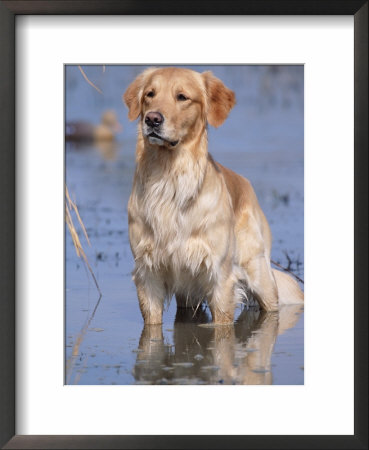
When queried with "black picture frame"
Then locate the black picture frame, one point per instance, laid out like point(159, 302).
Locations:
point(8, 12)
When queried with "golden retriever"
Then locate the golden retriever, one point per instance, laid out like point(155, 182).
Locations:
point(195, 227)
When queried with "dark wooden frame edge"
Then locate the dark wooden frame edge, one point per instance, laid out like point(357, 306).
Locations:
point(8, 12)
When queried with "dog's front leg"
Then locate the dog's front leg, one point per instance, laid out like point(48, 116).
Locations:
point(151, 295)
point(222, 302)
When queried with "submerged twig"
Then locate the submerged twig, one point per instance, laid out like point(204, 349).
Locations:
point(287, 270)
point(89, 81)
point(289, 260)
point(69, 206)
point(80, 338)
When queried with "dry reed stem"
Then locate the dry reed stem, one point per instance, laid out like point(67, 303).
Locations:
point(72, 204)
point(88, 81)
point(69, 206)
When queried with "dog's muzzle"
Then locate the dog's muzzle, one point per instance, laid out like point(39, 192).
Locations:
point(153, 122)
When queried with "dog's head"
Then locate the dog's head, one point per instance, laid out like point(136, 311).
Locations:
point(174, 104)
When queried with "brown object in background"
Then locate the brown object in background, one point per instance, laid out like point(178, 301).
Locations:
point(106, 130)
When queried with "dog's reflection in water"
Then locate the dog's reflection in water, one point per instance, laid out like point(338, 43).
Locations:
point(205, 354)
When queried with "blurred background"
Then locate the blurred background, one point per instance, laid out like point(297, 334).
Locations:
point(263, 140)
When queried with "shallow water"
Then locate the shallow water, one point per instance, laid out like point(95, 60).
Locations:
point(106, 342)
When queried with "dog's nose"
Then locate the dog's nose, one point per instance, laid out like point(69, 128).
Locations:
point(154, 119)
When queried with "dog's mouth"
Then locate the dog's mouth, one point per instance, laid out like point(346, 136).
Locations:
point(159, 140)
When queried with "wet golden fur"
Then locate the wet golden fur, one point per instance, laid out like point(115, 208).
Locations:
point(196, 229)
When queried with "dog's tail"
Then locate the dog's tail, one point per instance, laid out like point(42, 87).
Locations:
point(289, 291)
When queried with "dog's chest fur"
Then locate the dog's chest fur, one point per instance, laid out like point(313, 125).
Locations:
point(175, 208)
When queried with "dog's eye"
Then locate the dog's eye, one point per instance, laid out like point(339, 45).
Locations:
point(182, 97)
point(150, 94)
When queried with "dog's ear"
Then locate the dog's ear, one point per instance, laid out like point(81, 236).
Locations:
point(220, 99)
point(133, 94)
